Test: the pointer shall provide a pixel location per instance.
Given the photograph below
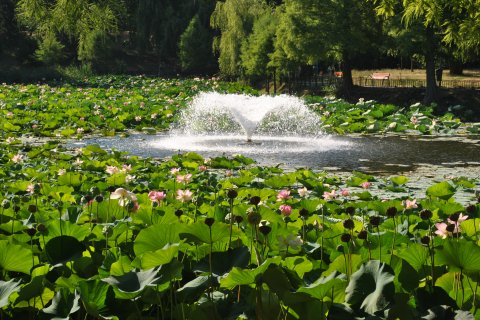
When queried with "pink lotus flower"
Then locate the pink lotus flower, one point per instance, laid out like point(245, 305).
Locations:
point(78, 162)
point(174, 170)
point(202, 168)
point(124, 196)
point(344, 192)
point(441, 230)
point(329, 195)
point(303, 192)
point(112, 170)
point(414, 120)
point(285, 210)
point(291, 241)
point(228, 173)
point(156, 196)
point(410, 204)
point(184, 179)
point(18, 158)
point(126, 168)
point(184, 195)
point(461, 218)
point(30, 188)
point(366, 185)
point(283, 195)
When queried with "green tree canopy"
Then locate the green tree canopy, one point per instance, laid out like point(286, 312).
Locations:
point(86, 23)
point(235, 20)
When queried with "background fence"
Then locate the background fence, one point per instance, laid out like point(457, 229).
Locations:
point(319, 82)
point(412, 83)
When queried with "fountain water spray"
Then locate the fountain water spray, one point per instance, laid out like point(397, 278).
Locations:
point(230, 113)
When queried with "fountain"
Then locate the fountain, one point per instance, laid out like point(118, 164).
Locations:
point(285, 131)
point(216, 113)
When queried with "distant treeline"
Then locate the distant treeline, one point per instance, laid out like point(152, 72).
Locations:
point(249, 39)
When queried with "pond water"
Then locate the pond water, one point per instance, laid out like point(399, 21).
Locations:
point(374, 154)
point(425, 160)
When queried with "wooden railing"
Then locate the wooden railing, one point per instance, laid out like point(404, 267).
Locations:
point(319, 82)
point(414, 83)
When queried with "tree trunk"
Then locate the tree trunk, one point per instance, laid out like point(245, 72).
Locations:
point(456, 67)
point(274, 83)
point(347, 75)
point(431, 89)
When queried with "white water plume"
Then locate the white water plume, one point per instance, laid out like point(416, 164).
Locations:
point(216, 113)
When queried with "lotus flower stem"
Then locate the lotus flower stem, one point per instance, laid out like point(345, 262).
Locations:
point(231, 224)
point(346, 266)
point(431, 251)
point(475, 299)
point(475, 229)
point(394, 238)
point(321, 240)
point(210, 295)
point(463, 289)
point(379, 244)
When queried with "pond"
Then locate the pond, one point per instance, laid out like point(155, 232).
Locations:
point(373, 154)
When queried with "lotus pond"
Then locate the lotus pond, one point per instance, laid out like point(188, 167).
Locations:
point(91, 234)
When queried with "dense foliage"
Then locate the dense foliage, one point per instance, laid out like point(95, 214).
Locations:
point(94, 234)
point(114, 105)
point(101, 235)
point(249, 38)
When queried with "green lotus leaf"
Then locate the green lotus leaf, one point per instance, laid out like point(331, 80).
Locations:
point(239, 276)
point(371, 288)
point(223, 262)
point(340, 265)
point(63, 305)
point(121, 267)
point(279, 182)
point(459, 255)
point(63, 249)
point(324, 287)
point(415, 254)
point(133, 281)
point(199, 232)
point(95, 149)
point(58, 228)
point(191, 291)
point(6, 289)
point(72, 179)
point(277, 280)
point(32, 289)
point(399, 180)
point(159, 257)
point(16, 258)
point(451, 283)
point(95, 295)
point(156, 237)
point(442, 190)
point(305, 306)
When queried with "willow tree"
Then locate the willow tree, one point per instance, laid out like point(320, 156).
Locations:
point(257, 49)
point(311, 30)
point(86, 23)
point(454, 23)
point(195, 48)
point(234, 19)
point(7, 23)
